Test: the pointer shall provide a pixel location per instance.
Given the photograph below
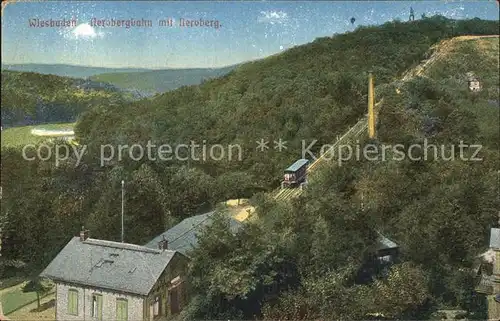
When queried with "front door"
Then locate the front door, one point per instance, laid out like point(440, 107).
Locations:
point(174, 300)
point(151, 312)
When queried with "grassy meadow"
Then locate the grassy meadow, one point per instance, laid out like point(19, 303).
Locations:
point(19, 136)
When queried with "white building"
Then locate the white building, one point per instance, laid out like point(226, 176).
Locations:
point(473, 82)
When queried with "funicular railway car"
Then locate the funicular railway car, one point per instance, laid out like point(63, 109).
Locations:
point(296, 174)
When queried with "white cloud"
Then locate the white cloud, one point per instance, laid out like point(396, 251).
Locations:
point(273, 17)
point(83, 31)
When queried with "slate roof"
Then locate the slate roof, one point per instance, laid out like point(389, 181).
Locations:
point(295, 166)
point(182, 237)
point(110, 265)
point(495, 238)
point(384, 243)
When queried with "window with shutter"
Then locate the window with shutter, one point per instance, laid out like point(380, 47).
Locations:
point(121, 310)
point(73, 302)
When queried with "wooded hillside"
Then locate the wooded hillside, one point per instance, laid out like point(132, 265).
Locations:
point(301, 260)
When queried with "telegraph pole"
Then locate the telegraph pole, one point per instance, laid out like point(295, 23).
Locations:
point(123, 209)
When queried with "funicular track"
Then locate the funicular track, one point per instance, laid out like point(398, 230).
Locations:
point(361, 127)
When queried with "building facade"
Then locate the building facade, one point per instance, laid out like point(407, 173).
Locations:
point(76, 302)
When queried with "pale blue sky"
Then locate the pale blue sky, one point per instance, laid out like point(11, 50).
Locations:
point(250, 30)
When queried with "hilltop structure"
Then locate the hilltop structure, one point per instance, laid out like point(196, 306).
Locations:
point(473, 82)
point(412, 14)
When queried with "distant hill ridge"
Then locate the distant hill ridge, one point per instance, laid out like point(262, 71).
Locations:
point(131, 79)
point(64, 70)
point(161, 80)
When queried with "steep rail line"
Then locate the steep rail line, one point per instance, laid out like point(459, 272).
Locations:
point(361, 126)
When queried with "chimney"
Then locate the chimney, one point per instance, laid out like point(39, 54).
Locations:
point(84, 234)
point(163, 244)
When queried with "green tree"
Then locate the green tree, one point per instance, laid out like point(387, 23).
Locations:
point(230, 270)
point(326, 297)
point(39, 286)
point(403, 293)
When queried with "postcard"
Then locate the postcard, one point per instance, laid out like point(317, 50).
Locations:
point(250, 160)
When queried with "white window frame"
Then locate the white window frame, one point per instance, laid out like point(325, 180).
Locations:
point(94, 306)
point(156, 306)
